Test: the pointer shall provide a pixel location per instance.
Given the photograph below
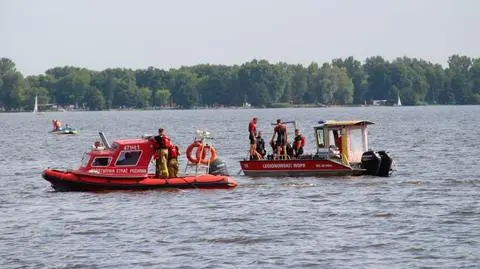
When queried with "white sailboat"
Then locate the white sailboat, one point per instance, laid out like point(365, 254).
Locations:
point(35, 107)
point(246, 104)
point(399, 103)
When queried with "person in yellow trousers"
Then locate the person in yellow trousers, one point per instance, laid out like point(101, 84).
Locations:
point(173, 153)
point(163, 143)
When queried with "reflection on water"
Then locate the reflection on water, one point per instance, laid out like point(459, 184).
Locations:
point(426, 215)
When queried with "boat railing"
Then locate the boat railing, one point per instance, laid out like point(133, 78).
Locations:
point(203, 137)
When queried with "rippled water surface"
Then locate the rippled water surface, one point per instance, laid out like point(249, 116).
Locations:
point(426, 215)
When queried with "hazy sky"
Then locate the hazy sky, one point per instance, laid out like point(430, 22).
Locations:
point(99, 34)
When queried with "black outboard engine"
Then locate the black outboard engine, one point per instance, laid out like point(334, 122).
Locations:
point(386, 165)
point(218, 168)
point(371, 161)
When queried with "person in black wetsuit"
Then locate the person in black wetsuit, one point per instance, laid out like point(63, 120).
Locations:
point(280, 130)
point(261, 145)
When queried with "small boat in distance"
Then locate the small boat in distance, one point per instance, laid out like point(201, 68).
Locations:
point(399, 103)
point(123, 165)
point(65, 131)
point(58, 129)
point(35, 107)
point(342, 150)
point(246, 104)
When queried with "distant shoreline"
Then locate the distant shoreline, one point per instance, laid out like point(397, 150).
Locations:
point(229, 108)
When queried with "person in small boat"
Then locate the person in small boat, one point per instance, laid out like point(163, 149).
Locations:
point(260, 147)
point(163, 143)
point(280, 131)
point(298, 143)
point(252, 130)
point(173, 153)
point(57, 125)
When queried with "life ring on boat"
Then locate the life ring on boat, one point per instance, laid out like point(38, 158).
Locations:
point(201, 149)
point(190, 150)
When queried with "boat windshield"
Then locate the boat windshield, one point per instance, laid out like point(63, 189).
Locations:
point(128, 157)
point(319, 133)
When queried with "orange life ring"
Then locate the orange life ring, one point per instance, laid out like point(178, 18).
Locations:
point(189, 152)
point(203, 150)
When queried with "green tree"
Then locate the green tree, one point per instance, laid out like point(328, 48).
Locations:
point(142, 97)
point(185, 88)
point(94, 99)
point(13, 90)
point(457, 71)
point(343, 94)
point(299, 84)
point(474, 77)
point(162, 97)
point(358, 76)
point(71, 88)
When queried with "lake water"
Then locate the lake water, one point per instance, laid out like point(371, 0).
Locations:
point(426, 215)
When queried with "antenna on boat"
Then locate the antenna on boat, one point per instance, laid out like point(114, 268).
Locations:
point(104, 140)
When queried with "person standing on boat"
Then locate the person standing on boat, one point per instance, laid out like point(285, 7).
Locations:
point(163, 143)
point(260, 147)
point(298, 143)
point(338, 140)
point(252, 131)
point(280, 130)
point(173, 153)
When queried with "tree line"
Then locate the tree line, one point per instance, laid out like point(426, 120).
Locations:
point(258, 82)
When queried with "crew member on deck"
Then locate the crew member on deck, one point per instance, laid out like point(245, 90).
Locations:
point(338, 140)
point(163, 143)
point(173, 153)
point(252, 131)
point(280, 130)
point(260, 148)
point(98, 146)
point(298, 143)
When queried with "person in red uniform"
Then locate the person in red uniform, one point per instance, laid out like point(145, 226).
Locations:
point(163, 143)
point(338, 140)
point(173, 153)
point(252, 131)
point(298, 143)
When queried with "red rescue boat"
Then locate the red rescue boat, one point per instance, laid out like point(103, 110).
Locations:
point(342, 150)
point(123, 165)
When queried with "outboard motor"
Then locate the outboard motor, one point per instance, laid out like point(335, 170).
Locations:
point(371, 161)
point(385, 165)
point(218, 168)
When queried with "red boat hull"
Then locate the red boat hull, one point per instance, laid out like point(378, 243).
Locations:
point(77, 181)
point(297, 168)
